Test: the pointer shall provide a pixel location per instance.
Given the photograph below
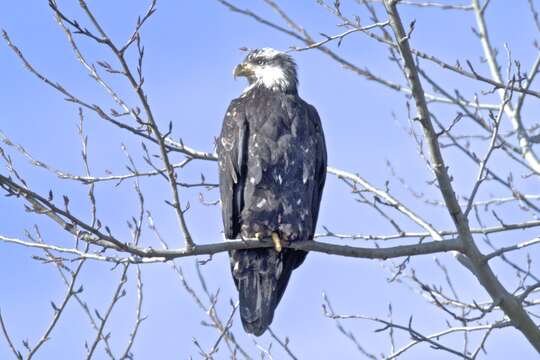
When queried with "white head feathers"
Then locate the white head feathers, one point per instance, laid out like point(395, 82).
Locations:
point(270, 68)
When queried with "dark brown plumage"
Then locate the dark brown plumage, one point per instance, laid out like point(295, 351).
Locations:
point(272, 167)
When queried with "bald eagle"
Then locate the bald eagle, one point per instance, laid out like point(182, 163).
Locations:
point(272, 169)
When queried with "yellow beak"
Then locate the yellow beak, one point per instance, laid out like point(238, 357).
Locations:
point(242, 70)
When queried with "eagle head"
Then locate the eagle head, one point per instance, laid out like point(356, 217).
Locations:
point(270, 68)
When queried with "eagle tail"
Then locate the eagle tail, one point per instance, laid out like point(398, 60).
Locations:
point(261, 276)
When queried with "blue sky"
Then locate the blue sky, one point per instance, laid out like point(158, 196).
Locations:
point(190, 50)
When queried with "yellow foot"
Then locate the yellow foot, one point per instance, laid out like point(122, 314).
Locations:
point(258, 236)
point(277, 242)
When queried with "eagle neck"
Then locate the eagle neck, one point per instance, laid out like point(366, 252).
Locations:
point(260, 86)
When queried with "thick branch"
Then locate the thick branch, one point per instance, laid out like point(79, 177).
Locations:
point(149, 255)
point(483, 272)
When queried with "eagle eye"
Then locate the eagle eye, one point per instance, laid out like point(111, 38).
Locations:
point(259, 62)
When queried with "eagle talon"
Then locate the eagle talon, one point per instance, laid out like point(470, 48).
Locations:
point(277, 242)
point(258, 236)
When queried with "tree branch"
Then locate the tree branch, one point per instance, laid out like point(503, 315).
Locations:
point(485, 275)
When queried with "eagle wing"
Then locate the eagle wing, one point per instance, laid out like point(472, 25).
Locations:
point(319, 170)
point(232, 150)
point(315, 174)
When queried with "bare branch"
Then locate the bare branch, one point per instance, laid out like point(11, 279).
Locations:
point(484, 274)
point(16, 352)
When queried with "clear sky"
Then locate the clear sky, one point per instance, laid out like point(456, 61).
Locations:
point(191, 48)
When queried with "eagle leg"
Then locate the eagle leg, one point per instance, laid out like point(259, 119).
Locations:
point(277, 242)
point(259, 236)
